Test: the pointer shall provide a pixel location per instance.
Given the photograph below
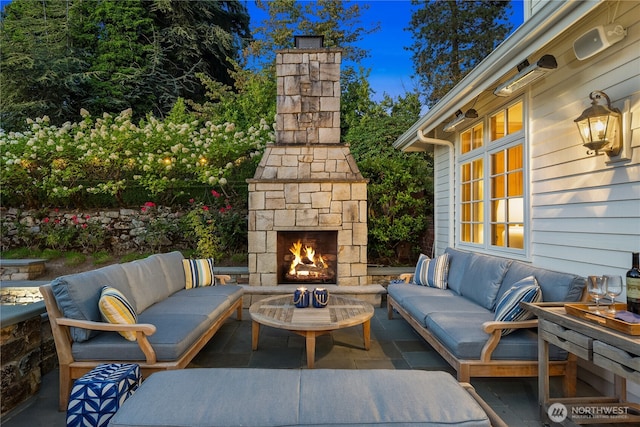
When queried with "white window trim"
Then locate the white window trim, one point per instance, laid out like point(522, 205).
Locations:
point(488, 148)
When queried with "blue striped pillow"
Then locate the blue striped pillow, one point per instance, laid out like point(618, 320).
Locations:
point(115, 308)
point(198, 272)
point(508, 307)
point(432, 272)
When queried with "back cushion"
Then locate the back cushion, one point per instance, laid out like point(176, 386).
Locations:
point(77, 295)
point(458, 261)
point(147, 281)
point(482, 279)
point(556, 286)
point(171, 264)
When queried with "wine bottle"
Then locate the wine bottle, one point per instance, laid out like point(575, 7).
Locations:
point(633, 285)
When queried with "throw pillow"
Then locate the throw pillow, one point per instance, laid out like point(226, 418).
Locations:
point(508, 307)
point(115, 308)
point(198, 272)
point(432, 272)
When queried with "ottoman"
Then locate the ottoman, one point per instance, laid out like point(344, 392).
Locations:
point(98, 394)
point(223, 397)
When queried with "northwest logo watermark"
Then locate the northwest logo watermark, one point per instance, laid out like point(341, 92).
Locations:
point(558, 412)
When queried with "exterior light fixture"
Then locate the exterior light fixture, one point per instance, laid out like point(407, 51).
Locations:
point(308, 42)
point(461, 118)
point(600, 125)
point(527, 73)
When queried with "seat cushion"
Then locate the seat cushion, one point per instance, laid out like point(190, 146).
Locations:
point(317, 397)
point(462, 334)
point(174, 335)
point(402, 292)
point(421, 307)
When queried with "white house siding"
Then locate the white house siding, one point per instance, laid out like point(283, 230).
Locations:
point(585, 215)
point(585, 210)
point(442, 197)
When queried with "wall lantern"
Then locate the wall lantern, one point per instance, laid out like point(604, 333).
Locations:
point(599, 126)
point(461, 118)
point(527, 73)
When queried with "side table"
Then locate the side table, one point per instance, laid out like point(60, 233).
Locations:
point(604, 347)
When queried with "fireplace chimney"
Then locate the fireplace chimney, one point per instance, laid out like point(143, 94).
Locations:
point(307, 181)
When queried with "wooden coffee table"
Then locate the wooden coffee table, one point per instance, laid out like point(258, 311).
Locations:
point(280, 312)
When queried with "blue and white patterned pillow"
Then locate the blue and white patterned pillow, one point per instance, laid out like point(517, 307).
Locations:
point(508, 307)
point(432, 272)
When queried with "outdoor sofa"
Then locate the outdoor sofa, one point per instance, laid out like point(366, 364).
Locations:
point(303, 397)
point(176, 315)
point(458, 319)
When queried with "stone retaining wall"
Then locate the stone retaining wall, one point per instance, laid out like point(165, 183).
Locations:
point(125, 229)
point(28, 352)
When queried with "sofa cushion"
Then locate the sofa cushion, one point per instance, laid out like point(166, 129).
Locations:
point(401, 292)
point(147, 281)
point(171, 264)
point(482, 279)
point(453, 331)
point(77, 295)
point(432, 272)
point(556, 286)
point(420, 307)
point(305, 397)
point(508, 306)
point(198, 272)
point(174, 335)
point(115, 308)
point(458, 261)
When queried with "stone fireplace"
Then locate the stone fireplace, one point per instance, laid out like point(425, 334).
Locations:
point(308, 198)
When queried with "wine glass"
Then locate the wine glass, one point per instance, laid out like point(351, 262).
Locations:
point(597, 287)
point(613, 289)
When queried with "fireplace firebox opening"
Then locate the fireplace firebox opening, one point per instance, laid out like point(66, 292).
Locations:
point(307, 257)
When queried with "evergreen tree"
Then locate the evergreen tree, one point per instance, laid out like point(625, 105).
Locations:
point(59, 56)
point(41, 72)
point(451, 38)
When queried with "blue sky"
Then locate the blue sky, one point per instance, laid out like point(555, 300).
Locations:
point(390, 63)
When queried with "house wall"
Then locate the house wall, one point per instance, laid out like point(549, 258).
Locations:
point(584, 209)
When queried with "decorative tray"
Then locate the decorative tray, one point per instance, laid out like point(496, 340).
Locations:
point(587, 312)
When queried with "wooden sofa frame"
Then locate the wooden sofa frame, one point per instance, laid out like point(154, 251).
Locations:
point(71, 369)
point(485, 366)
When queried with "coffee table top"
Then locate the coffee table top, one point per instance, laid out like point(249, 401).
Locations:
point(280, 312)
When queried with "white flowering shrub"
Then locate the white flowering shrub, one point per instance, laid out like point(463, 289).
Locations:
point(50, 165)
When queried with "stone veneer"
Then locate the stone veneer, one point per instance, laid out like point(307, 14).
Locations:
point(307, 180)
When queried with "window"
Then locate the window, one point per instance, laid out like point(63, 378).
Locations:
point(493, 218)
point(472, 187)
point(507, 201)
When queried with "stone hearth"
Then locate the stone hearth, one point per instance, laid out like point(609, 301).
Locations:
point(307, 180)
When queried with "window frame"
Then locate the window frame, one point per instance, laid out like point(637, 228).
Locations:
point(485, 152)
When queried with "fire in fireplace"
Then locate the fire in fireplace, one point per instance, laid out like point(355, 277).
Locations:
point(307, 256)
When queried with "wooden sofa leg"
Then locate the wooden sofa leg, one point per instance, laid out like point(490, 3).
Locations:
point(389, 311)
point(463, 374)
point(65, 387)
point(570, 378)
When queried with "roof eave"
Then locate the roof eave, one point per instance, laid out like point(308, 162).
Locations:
point(553, 19)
